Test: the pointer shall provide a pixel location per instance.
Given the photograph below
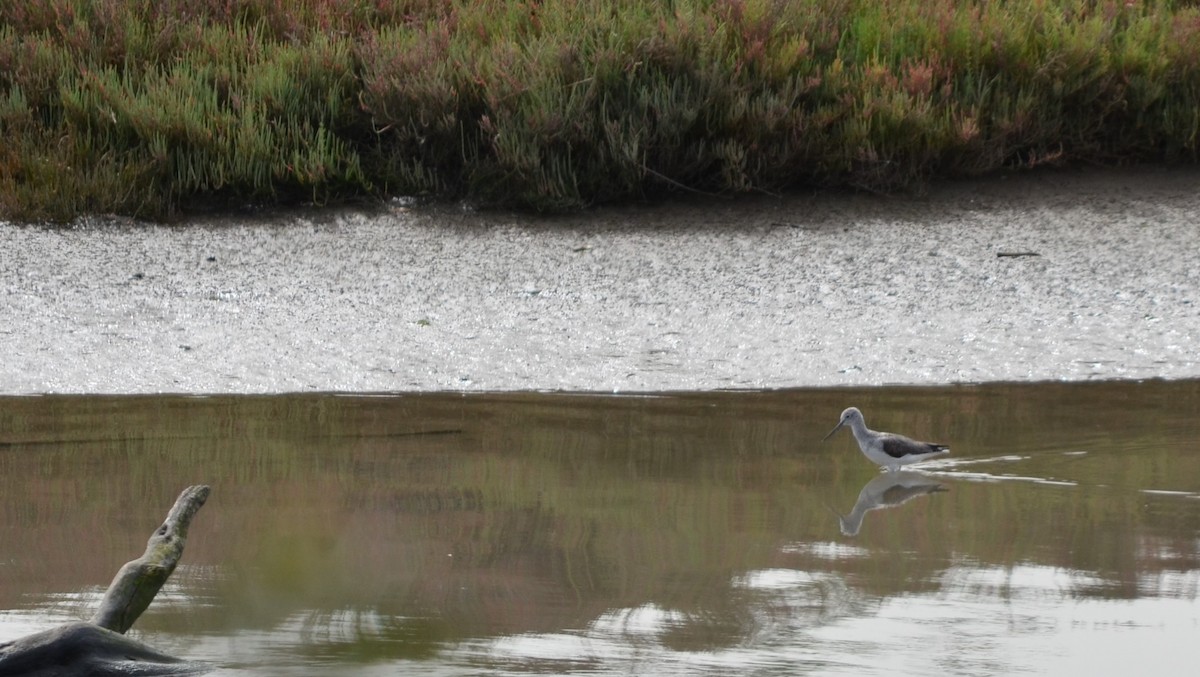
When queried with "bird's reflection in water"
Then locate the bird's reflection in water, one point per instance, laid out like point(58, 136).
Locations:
point(888, 490)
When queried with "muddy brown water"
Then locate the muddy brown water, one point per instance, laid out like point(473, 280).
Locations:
point(668, 535)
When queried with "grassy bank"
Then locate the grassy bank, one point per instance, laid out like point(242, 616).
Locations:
point(147, 107)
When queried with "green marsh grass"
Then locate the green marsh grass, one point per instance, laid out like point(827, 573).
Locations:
point(151, 107)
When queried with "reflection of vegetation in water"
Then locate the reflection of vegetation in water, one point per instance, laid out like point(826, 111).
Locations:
point(484, 514)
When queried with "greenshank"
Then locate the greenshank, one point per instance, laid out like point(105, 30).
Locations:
point(887, 449)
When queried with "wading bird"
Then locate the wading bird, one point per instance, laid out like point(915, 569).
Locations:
point(887, 449)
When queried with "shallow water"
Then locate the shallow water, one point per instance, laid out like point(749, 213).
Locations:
point(578, 534)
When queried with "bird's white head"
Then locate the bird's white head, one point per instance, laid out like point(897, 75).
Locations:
point(850, 416)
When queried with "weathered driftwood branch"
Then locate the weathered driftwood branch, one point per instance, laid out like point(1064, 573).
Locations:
point(139, 581)
point(82, 649)
point(100, 648)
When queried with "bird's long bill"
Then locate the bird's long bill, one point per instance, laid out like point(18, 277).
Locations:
point(831, 432)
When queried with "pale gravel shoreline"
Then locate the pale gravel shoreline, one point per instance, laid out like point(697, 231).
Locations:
point(825, 290)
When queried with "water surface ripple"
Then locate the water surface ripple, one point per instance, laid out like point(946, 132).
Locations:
point(695, 534)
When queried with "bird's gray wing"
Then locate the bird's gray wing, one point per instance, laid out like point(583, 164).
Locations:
point(898, 446)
